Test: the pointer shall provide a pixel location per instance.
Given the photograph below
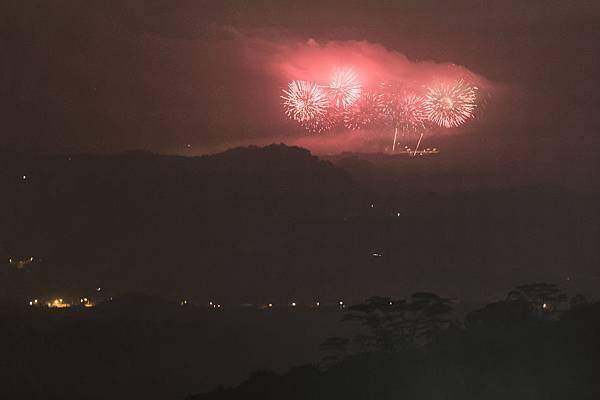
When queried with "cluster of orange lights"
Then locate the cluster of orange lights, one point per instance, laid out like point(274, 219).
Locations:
point(60, 303)
point(87, 303)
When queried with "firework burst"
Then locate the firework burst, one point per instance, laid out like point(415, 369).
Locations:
point(304, 101)
point(365, 112)
point(411, 113)
point(345, 87)
point(402, 108)
point(323, 122)
point(451, 104)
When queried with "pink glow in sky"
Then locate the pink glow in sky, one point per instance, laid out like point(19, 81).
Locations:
point(371, 62)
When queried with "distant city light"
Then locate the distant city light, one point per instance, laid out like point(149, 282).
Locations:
point(20, 264)
point(58, 303)
point(85, 302)
point(293, 304)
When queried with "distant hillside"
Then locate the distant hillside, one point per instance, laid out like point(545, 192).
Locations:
point(480, 160)
point(147, 222)
point(277, 223)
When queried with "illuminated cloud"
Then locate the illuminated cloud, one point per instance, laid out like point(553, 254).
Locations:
point(288, 59)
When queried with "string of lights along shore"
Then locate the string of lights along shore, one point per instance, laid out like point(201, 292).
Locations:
point(392, 106)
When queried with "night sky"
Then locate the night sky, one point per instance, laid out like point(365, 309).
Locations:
point(167, 75)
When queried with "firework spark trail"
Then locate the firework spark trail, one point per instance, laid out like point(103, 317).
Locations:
point(451, 104)
point(304, 101)
point(418, 144)
point(365, 112)
point(345, 87)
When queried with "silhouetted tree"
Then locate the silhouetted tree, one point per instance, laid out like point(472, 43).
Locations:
point(384, 320)
point(427, 315)
point(545, 300)
point(394, 325)
point(541, 295)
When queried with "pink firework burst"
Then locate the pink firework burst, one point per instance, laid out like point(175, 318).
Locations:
point(451, 104)
point(411, 113)
point(345, 87)
point(402, 108)
point(304, 101)
point(322, 123)
point(365, 112)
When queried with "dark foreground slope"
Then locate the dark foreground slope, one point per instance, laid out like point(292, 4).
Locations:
point(526, 361)
point(142, 347)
